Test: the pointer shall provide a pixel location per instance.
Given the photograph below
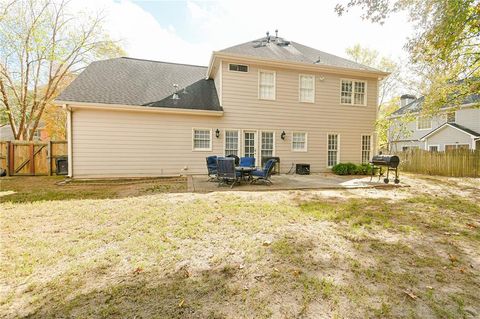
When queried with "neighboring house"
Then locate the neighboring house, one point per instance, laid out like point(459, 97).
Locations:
point(269, 97)
point(6, 133)
point(452, 128)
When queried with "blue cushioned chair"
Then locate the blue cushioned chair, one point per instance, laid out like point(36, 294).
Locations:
point(247, 161)
point(264, 175)
point(212, 167)
point(226, 171)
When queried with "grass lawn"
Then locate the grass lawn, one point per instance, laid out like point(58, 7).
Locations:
point(37, 188)
point(367, 253)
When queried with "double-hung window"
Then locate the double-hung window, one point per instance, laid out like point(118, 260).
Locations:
point(424, 123)
point(307, 88)
point(332, 155)
point(299, 141)
point(267, 144)
point(266, 85)
point(232, 138)
point(353, 92)
point(202, 140)
point(366, 148)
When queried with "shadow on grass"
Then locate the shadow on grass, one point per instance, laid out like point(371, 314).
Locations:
point(149, 295)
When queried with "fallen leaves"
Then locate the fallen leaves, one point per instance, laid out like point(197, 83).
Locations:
point(410, 294)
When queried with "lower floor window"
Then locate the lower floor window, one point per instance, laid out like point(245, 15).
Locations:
point(202, 139)
point(299, 141)
point(231, 142)
point(332, 157)
point(267, 144)
point(433, 148)
point(366, 148)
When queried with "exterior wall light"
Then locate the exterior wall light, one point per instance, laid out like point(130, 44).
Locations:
point(217, 133)
point(282, 136)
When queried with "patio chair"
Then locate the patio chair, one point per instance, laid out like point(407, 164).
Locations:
point(226, 172)
point(247, 161)
point(264, 174)
point(237, 159)
point(212, 167)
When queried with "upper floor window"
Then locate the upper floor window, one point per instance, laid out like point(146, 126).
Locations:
point(424, 123)
point(353, 92)
point(299, 141)
point(202, 139)
point(450, 117)
point(266, 85)
point(238, 67)
point(307, 88)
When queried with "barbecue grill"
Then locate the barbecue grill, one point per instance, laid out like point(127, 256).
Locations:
point(387, 162)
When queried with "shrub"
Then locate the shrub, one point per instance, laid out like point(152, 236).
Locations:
point(352, 169)
point(344, 169)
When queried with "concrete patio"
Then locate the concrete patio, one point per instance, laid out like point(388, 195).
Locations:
point(200, 183)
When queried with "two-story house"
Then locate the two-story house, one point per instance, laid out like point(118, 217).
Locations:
point(268, 97)
point(449, 129)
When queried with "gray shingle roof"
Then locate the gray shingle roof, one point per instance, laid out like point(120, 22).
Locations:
point(130, 81)
point(416, 105)
point(280, 49)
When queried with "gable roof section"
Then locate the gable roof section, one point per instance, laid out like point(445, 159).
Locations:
point(136, 82)
point(453, 125)
point(416, 105)
point(280, 49)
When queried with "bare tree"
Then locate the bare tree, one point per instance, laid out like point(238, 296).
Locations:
point(42, 43)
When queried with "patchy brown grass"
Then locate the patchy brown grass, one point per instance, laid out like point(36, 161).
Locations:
point(38, 188)
point(335, 254)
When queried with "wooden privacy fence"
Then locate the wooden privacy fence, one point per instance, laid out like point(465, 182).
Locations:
point(31, 158)
point(457, 163)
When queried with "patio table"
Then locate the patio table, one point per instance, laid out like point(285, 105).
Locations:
point(244, 171)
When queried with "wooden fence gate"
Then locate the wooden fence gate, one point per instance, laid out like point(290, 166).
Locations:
point(31, 158)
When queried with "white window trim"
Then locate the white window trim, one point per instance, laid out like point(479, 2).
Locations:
point(424, 129)
point(274, 84)
point(338, 148)
point(306, 142)
point(260, 142)
point(225, 139)
point(437, 145)
point(361, 146)
point(353, 92)
point(193, 140)
point(300, 88)
point(248, 68)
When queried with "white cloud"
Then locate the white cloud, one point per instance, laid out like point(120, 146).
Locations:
point(223, 24)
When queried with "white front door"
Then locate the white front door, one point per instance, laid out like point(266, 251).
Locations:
point(250, 143)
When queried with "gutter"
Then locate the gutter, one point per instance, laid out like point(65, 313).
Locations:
point(297, 65)
point(136, 108)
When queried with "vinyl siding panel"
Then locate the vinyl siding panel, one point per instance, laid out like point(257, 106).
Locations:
point(126, 143)
point(449, 135)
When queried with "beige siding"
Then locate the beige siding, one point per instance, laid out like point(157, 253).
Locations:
point(123, 143)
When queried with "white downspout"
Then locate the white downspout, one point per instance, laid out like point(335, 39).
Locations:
point(69, 141)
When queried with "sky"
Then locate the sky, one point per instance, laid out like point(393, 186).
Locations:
point(188, 31)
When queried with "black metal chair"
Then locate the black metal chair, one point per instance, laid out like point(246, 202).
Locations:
point(226, 172)
point(237, 159)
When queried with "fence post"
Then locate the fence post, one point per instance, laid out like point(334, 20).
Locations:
point(7, 157)
point(11, 158)
point(32, 158)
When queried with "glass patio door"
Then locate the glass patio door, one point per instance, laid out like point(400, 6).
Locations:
point(249, 143)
